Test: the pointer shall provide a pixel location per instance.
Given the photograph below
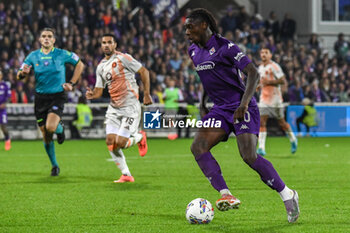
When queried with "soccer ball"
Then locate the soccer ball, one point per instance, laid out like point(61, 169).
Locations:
point(199, 211)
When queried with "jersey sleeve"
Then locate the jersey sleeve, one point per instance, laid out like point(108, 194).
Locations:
point(100, 83)
point(130, 63)
point(70, 57)
point(235, 56)
point(28, 61)
point(277, 71)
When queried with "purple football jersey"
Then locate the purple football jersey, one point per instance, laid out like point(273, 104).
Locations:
point(5, 92)
point(219, 65)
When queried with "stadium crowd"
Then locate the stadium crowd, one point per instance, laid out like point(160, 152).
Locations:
point(160, 45)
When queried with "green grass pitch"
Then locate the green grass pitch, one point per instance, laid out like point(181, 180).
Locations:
point(84, 198)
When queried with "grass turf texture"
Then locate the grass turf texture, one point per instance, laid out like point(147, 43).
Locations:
point(84, 199)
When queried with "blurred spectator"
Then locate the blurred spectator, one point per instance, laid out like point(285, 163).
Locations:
point(2, 14)
point(317, 95)
point(272, 25)
point(341, 47)
point(257, 24)
point(107, 17)
point(27, 7)
point(333, 93)
point(172, 96)
point(343, 94)
point(18, 95)
point(120, 4)
point(229, 21)
point(288, 28)
point(295, 92)
point(313, 42)
point(253, 46)
point(243, 17)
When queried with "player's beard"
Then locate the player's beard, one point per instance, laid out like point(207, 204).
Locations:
point(108, 53)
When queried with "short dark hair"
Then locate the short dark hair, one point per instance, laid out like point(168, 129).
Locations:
point(82, 100)
point(48, 29)
point(111, 35)
point(265, 47)
point(204, 15)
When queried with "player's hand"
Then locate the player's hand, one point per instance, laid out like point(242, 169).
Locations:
point(89, 93)
point(147, 99)
point(203, 110)
point(239, 113)
point(67, 87)
point(26, 69)
point(2, 106)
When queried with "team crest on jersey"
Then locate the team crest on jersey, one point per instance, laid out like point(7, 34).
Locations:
point(212, 51)
point(46, 63)
point(193, 53)
point(114, 64)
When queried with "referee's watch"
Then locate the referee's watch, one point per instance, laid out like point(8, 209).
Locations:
point(73, 84)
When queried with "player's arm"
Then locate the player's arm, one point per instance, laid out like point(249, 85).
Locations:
point(276, 82)
point(78, 70)
point(252, 82)
point(24, 72)
point(93, 94)
point(144, 73)
point(203, 104)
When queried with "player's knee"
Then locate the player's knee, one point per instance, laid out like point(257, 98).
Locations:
point(50, 128)
point(109, 141)
point(248, 153)
point(249, 158)
point(284, 125)
point(199, 147)
point(120, 144)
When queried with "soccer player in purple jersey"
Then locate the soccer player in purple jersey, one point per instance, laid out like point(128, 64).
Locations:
point(5, 93)
point(219, 64)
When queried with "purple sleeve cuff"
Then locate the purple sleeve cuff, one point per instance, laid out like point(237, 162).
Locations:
point(243, 63)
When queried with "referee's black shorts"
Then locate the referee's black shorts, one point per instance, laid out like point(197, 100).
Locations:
point(46, 103)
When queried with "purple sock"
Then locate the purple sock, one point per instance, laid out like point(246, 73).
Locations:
point(211, 170)
point(268, 174)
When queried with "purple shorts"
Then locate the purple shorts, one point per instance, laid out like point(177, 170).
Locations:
point(250, 124)
point(3, 117)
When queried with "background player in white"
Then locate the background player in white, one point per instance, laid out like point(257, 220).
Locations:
point(271, 102)
point(117, 71)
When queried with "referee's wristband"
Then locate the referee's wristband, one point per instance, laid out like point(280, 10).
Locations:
point(21, 76)
point(73, 84)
